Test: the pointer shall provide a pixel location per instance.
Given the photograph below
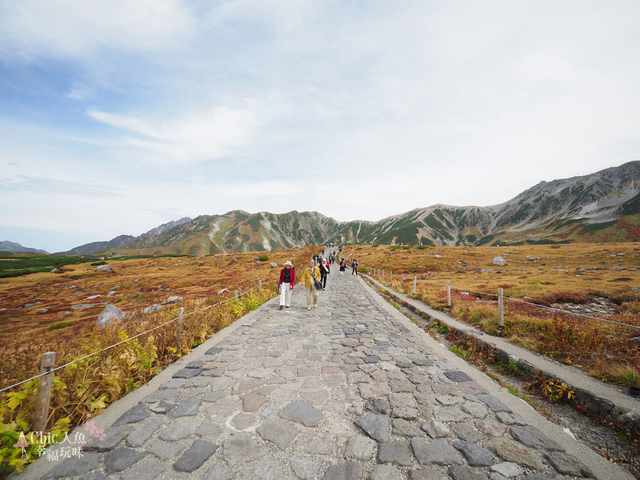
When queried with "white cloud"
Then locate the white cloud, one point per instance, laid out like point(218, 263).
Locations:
point(194, 137)
point(76, 28)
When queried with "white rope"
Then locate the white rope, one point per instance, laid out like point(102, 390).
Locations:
point(129, 339)
point(553, 309)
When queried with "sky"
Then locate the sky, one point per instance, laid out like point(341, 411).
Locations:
point(119, 116)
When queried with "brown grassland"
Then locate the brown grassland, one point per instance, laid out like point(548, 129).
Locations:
point(557, 274)
point(54, 322)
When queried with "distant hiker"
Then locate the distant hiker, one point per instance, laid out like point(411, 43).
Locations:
point(354, 266)
point(343, 265)
point(287, 279)
point(309, 278)
point(324, 272)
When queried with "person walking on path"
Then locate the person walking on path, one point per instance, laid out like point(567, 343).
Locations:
point(309, 278)
point(287, 279)
point(343, 266)
point(324, 272)
point(354, 266)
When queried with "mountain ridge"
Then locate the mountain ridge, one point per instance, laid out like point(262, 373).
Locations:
point(601, 206)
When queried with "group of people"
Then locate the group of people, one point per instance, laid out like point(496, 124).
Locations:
point(354, 266)
point(314, 279)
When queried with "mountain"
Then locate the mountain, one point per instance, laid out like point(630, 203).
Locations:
point(7, 246)
point(122, 240)
point(603, 206)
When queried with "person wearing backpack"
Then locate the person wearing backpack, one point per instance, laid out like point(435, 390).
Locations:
point(354, 266)
point(324, 272)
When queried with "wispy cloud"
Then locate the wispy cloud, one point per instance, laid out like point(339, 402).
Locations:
point(32, 29)
point(51, 186)
point(194, 137)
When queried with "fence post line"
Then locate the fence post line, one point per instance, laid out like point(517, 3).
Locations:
point(500, 308)
point(415, 280)
point(179, 329)
point(449, 293)
point(43, 398)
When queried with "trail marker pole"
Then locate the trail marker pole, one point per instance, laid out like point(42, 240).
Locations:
point(449, 293)
point(43, 398)
point(500, 308)
point(179, 329)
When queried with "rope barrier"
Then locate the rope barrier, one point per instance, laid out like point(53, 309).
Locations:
point(553, 309)
point(129, 339)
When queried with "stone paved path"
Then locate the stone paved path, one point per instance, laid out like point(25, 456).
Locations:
point(350, 390)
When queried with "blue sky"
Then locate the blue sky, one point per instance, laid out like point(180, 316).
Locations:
point(118, 116)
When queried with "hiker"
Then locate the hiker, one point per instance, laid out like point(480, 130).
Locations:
point(309, 278)
point(324, 272)
point(287, 279)
point(343, 265)
point(354, 266)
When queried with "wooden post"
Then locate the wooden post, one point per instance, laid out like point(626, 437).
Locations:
point(402, 279)
point(179, 330)
point(235, 294)
point(259, 283)
point(500, 308)
point(383, 275)
point(448, 293)
point(415, 280)
point(391, 277)
point(43, 398)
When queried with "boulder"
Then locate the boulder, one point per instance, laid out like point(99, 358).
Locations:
point(56, 270)
point(153, 308)
point(499, 261)
point(109, 314)
point(273, 265)
point(173, 299)
point(104, 268)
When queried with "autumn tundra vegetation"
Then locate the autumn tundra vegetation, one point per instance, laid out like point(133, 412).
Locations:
point(43, 310)
point(597, 280)
point(57, 311)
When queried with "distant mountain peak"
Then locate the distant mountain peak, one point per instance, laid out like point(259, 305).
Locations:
point(581, 208)
point(7, 246)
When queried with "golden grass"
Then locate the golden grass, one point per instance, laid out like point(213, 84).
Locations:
point(554, 274)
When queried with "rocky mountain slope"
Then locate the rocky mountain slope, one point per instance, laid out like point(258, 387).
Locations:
point(603, 206)
point(7, 246)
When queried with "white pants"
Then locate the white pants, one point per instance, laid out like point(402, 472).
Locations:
point(285, 294)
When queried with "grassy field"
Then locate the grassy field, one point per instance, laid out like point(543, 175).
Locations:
point(41, 312)
point(546, 275)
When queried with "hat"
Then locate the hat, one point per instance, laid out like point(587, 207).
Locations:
point(288, 263)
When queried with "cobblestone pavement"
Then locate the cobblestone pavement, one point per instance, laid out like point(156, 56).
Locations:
point(349, 390)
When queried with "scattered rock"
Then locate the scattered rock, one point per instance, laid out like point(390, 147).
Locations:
point(173, 299)
point(273, 265)
point(104, 268)
point(499, 261)
point(153, 308)
point(109, 315)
